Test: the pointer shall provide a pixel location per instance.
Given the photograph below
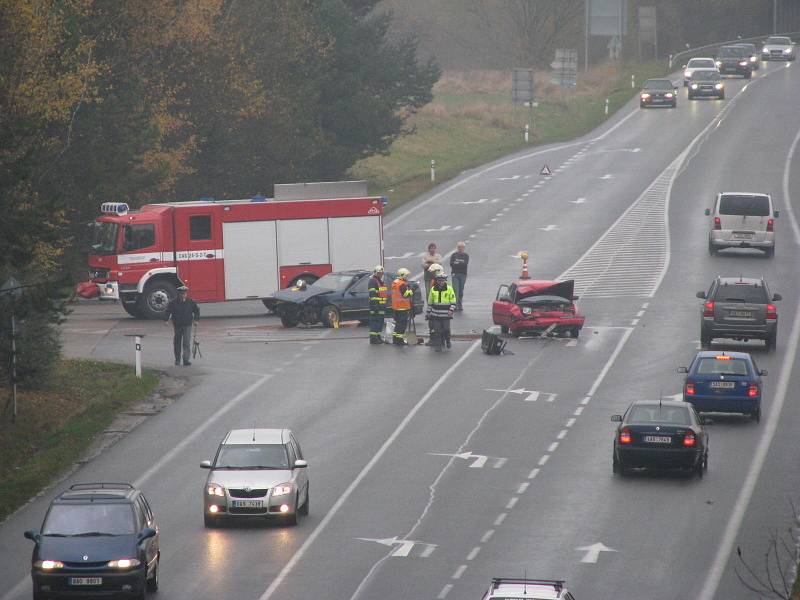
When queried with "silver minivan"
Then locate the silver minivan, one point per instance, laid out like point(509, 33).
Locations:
point(256, 473)
point(742, 220)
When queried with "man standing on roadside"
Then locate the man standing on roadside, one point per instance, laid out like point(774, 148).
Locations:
point(431, 258)
point(402, 295)
point(459, 261)
point(183, 311)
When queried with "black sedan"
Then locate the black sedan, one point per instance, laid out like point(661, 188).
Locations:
point(660, 435)
point(658, 92)
point(333, 298)
point(706, 83)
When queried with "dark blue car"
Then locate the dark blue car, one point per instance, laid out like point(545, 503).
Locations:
point(724, 382)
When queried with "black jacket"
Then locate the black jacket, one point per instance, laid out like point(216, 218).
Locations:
point(459, 261)
point(182, 312)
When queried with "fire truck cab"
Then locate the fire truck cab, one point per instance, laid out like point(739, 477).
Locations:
point(233, 249)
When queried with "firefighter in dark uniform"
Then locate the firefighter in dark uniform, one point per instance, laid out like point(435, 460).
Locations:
point(401, 306)
point(378, 295)
point(183, 312)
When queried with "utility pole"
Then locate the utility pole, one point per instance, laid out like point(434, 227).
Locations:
point(14, 290)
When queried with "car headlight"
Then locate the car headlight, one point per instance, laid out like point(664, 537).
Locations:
point(282, 489)
point(765, 50)
point(719, 86)
point(124, 563)
point(48, 565)
point(787, 51)
point(214, 489)
point(694, 86)
point(526, 310)
point(668, 95)
point(645, 96)
point(742, 63)
point(719, 63)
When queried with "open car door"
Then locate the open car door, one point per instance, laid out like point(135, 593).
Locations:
point(501, 307)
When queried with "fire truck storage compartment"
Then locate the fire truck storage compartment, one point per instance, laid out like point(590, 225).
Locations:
point(355, 242)
point(303, 242)
point(251, 259)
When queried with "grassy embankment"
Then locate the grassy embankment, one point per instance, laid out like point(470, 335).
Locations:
point(57, 422)
point(472, 120)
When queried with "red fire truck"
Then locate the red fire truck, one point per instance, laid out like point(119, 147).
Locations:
point(232, 249)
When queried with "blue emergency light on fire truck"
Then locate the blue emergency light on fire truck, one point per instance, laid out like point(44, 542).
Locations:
point(232, 249)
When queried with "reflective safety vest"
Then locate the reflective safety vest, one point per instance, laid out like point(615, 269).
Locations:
point(378, 293)
point(441, 302)
point(401, 295)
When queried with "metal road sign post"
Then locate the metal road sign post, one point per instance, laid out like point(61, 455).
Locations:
point(137, 338)
point(565, 68)
point(13, 290)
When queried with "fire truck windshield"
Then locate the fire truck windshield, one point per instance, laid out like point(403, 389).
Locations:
point(104, 237)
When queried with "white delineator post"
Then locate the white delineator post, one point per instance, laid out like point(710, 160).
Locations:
point(433, 170)
point(606, 107)
point(633, 81)
point(527, 130)
point(137, 339)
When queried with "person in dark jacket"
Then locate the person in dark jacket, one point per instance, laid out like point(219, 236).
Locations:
point(183, 312)
point(459, 261)
point(378, 297)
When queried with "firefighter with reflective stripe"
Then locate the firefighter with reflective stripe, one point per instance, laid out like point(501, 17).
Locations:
point(401, 306)
point(378, 296)
point(441, 306)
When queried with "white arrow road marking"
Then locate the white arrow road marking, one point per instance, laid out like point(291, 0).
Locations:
point(578, 201)
point(479, 459)
point(607, 176)
point(403, 546)
point(593, 552)
point(481, 201)
point(509, 178)
point(532, 395)
point(548, 228)
point(406, 255)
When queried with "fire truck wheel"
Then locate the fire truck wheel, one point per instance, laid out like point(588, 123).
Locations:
point(157, 295)
point(132, 308)
point(329, 315)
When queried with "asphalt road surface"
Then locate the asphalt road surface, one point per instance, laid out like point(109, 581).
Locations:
point(431, 473)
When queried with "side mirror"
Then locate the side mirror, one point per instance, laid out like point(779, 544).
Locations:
point(682, 369)
point(300, 464)
point(575, 297)
point(616, 418)
point(776, 297)
point(708, 212)
point(32, 535)
point(701, 295)
point(763, 372)
point(206, 464)
point(776, 213)
point(146, 534)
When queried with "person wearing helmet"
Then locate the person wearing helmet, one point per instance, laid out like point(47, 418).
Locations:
point(441, 305)
point(378, 295)
point(401, 305)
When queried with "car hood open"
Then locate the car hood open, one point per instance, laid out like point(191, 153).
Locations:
point(562, 289)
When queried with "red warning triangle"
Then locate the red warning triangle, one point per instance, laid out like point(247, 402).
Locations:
point(545, 171)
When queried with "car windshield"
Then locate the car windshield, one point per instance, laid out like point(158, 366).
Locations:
point(731, 52)
point(658, 84)
point(87, 520)
point(333, 281)
point(659, 414)
point(778, 41)
point(745, 293)
point(706, 75)
point(701, 63)
point(104, 237)
point(714, 366)
point(252, 456)
point(744, 205)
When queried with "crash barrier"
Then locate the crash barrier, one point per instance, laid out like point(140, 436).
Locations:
point(491, 343)
point(691, 52)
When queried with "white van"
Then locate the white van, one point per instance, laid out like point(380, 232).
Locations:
point(742, 220)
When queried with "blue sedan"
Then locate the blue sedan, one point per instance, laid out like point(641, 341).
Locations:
point(725, 382)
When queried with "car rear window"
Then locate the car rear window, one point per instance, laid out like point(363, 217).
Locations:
point(96, 519)
point(711, 365)
point(744, 293)
point(659, 414)
point(731, 52)
point(697, 63)
point(744, 205)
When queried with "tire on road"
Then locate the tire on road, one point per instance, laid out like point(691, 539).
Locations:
point(132, 308)
point(329, 314)
point(156, 297)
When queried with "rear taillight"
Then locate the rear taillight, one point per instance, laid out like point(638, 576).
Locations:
point(625, 436)
point(717, 223)
point(752, 391)
point(708, 309)
point(689, 440)
point(688, 389)
point(770, 224)
point(772, 312)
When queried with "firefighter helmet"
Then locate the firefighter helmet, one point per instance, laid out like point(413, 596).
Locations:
point(436, 268)
point(378, 269)
point(403, 273)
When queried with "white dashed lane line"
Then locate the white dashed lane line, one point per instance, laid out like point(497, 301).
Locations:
point(445, 590)
point(553, 447)
point(578, 411)
point(500, 518)
point(533, 474)
point(562, 434)
point(487, 536)
point(473, 553)
point(543, 460)
point(522, 487)
point(459, 572)
point(570, 423)
point(511, 502)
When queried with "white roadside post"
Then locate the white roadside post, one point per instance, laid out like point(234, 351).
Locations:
point(606, 106)
point(137, 338)
point(633, 81)
point(527, 129)
point(433, 170)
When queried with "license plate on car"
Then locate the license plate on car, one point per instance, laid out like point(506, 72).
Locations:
point(741, 313)
point(723, 384)
point(248, 503)
point(658, 439)
point(742, 236)
point(86, 581)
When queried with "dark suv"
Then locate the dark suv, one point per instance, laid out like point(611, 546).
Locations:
point(734, 60)
point(96, 539)
point(739, 308)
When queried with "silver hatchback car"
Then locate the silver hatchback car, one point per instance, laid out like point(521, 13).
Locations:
point(256, 473)
point(742, 220)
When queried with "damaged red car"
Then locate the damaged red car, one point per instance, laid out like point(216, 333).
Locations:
point(534, 307)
